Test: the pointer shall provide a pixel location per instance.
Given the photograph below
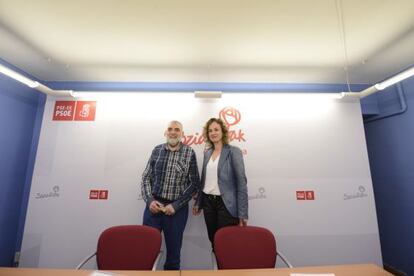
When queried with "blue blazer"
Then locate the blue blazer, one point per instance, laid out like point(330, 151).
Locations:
point(232, 181)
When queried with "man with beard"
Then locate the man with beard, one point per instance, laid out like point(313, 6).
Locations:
point(168, 183)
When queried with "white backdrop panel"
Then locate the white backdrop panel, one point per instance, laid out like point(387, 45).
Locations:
point(292, 142)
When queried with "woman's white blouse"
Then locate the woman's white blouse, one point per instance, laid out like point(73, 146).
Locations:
point(211, 185)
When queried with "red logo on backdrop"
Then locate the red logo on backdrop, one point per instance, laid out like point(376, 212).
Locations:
point(103, 194)
point(94, 194)
point(305, 195)
point(98, 194)
point(300, 195)
point(64, 110)
point(310, 195)
point(230, 116)
point(85, 111)
point(72, 110)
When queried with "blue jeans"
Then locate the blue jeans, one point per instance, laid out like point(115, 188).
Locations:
point(173, 227)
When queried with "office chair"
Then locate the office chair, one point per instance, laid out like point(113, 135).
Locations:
point(127, 247)
point(245, 247)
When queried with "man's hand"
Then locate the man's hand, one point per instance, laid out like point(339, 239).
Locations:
point(156, 207)
point(169, 210)
point(242, 222)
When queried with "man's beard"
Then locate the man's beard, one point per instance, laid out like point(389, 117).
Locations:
point(173, 141)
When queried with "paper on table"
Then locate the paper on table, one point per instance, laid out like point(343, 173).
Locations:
point(103, 273)
point(312, 274)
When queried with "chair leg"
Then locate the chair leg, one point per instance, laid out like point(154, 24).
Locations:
point(85, 261)
point(214, 261)
point(284, 259)
point(157, 260)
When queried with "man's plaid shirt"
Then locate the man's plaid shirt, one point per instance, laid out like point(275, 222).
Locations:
point(171, 175)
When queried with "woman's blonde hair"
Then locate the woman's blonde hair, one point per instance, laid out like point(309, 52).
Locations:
point(224, 130)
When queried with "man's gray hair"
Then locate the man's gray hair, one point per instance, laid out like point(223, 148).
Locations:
point(177, 123)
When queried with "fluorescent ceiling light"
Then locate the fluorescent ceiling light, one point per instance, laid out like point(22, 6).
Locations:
point(397, 78)
point(19, 77)
point(33, 84)
point(381, 85)
point(205, 94)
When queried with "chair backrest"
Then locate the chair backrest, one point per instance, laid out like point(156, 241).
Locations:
point(128, 247)
point(244, 247)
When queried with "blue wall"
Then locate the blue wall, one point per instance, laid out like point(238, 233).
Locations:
point(21, 110)
point(390, 144)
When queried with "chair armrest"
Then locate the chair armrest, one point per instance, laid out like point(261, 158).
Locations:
point(157, 260)
point(85, 261)
point(214, 261)
point(284, 259)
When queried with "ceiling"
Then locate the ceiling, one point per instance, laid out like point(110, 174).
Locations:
point(294, 41)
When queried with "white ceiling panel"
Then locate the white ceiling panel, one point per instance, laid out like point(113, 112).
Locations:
point(226, 40)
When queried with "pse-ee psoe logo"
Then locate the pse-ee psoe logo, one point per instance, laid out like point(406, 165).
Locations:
point(305, 195)
point(98, 194)
point(74, 111)
point(231, 117)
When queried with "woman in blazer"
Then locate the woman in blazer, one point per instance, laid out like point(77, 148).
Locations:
point(223, 194)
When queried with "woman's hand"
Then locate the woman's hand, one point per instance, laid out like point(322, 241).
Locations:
point(242, 222)
point(196, 210)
